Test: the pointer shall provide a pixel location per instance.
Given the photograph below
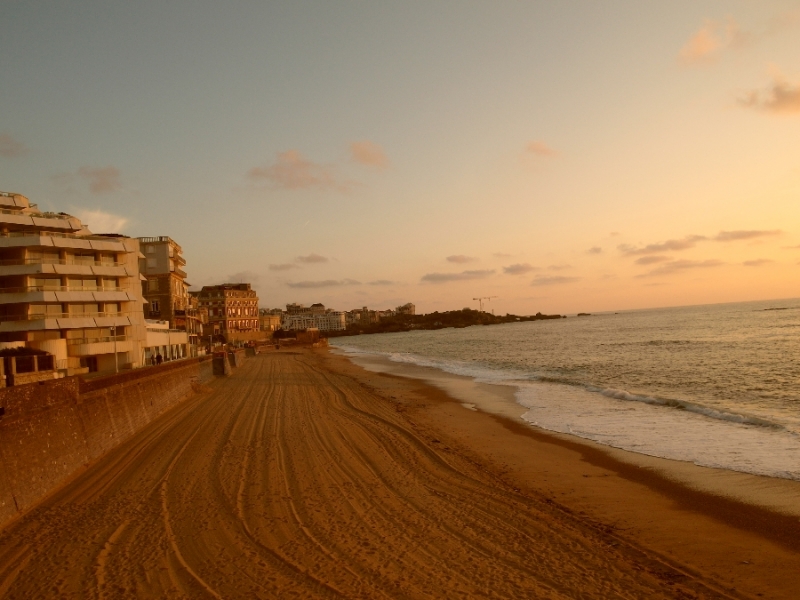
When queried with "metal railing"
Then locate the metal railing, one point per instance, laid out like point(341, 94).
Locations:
point(56, 288)
point(97, 340)
point(9, 262)
point(38, 215)
point(41, 316)
point(73, 236)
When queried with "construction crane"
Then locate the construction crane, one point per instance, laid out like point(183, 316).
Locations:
point(481, 299)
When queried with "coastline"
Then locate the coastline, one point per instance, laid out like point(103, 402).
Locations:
point(739, 529)
point(771, 493)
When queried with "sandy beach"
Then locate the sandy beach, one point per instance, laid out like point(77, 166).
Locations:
point(305, 475)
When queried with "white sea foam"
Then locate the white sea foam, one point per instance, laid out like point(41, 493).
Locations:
point(667, 428)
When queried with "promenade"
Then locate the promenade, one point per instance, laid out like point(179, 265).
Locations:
point(290, 479)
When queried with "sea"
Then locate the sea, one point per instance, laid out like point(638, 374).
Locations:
point(715, 385)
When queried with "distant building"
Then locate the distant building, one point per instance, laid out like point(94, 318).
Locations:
point(298, 317)
point(232, 309)
point(67, 291)
point(166, 289)
point(406, 309)
point(268, 320)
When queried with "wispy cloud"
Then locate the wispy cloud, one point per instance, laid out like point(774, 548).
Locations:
point(283, 267)
point(461, 259)
point(519, 269)
point(101, 180)
point(463, 276)
point(710, 40)
point(559, 267)
point(594, 250)
point(293, 171)
point(311, 259)
point(537, 148)
point(381, 282)
point(323, 283)
point(651, 260)
point(758, 262)
point(368, 154)
point(690, 241)
point(677, 266)
point(501, 255)
point(100, 221)
point(554, 280)
point(749, 234)
point(11, 147)
point(780, 97)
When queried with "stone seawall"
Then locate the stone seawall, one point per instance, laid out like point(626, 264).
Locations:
point(50, 430)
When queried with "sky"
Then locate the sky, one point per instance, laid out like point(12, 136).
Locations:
point(560, 156)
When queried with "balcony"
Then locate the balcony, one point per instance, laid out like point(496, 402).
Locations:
point(39, 322)
point(96, 346)
point(50, 239)
point(42, 293)
point(46, 220)
point(33, 266)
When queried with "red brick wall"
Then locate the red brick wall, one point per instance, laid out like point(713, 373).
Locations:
point(52, 430)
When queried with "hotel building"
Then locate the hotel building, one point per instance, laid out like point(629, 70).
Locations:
point(232, 309)
point(67, 291)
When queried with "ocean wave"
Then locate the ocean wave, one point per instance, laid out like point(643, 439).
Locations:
point(692, 407)
point(485, 374)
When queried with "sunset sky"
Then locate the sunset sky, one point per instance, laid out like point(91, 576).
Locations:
point(562, 156)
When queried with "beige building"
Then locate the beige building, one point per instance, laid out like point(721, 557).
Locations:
point(67, 291)
point(232, 310)
point(299, 317)
point(166, 289)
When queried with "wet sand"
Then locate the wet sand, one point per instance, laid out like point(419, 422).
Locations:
point(305, 476)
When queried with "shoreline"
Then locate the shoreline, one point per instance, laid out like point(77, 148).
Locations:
point(774, 494)
point(698, 519)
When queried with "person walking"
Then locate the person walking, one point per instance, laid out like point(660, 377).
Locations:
point(159, 358)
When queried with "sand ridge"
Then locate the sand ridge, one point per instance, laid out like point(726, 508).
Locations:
point(291, 479)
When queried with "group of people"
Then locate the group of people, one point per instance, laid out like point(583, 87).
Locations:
point(156, 359)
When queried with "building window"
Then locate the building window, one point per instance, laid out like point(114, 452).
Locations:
point(150, 249)
point(154, 307)
point(151, 263)
point(152, 285)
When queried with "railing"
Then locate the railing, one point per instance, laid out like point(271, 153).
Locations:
point(56, 288)
point(98, 340)
point(61, 234)
point(41, 316)
point(8, 262)
point(38, 215)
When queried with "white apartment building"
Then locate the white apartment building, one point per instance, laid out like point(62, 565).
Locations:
point(67, 291)
point(330, 320)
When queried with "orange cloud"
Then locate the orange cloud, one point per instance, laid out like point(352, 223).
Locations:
point(677, 266)
point(369, 154)
point(102, 180)
point(519, 269)
point(780, 97)
point(711, 39)
point(746, 234)
point(758, 262)
point(322, 284)
point(651, 260)
point(461, 259)
point(293, 171)
point(540, 149)
point(10, 147)
point(463, 276)
point(690, 241)
point(311, 259)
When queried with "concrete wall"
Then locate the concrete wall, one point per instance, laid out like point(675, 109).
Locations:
point(51, 430)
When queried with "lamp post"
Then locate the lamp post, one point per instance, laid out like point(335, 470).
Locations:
point(116, 358)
